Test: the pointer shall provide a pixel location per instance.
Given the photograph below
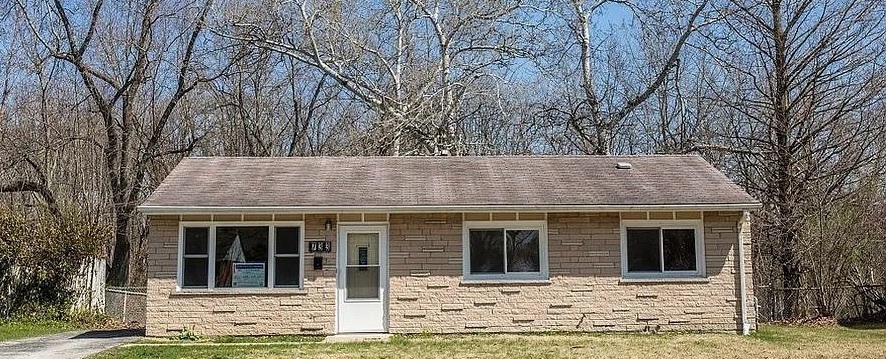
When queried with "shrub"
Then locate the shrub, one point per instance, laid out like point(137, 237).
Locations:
point(39, 257)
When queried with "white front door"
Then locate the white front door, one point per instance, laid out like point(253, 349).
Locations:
point(362, 279)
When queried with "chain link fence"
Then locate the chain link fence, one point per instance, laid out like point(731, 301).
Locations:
point(840, 302)
point(126, 304)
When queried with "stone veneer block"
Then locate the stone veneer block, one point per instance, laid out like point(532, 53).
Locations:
point(452, 307)
point(414, 314)
point(485, 302)
point(560, 305)
point(523, 318)
point(647, 317)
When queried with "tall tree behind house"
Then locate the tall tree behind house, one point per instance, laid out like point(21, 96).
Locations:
point(804, 78)
point(136, 62)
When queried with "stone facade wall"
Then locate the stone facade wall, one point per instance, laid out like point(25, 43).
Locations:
point(427, 294)
point(310, 310)
point(585, 291)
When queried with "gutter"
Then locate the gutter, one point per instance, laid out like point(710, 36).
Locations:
point(156, 210)
point(745, 325)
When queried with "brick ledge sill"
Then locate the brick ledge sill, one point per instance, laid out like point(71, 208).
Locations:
point(471, 282)
point(663, 280)
point(228, 292)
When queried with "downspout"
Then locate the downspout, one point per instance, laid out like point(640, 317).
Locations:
point(745, 325)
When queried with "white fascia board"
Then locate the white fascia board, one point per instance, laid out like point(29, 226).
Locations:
point(159, 210)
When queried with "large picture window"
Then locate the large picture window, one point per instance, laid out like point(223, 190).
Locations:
point(505, 250)
point(662, 249)
point(243, 255)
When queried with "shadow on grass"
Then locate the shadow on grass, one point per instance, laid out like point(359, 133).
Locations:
point(871, 322)
point(864, 325)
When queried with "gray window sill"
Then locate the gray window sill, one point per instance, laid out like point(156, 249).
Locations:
point(664, 280)
point(479, 282)
point(194, 292)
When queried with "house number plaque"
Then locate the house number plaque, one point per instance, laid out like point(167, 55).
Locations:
point(319, 246)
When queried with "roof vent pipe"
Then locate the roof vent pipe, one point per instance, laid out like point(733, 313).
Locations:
point(623, 165)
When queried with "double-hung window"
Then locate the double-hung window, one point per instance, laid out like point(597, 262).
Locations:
point(667, 249)
point(505, 250)
point(195, 258)
point(240, 255)
point(287, 257)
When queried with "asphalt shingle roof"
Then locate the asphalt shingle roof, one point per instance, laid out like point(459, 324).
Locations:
point(532, 181)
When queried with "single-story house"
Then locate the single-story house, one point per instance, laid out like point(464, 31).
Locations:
point(326, 245)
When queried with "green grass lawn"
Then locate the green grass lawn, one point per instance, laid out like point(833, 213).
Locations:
point(768, 342)
point(10, 330)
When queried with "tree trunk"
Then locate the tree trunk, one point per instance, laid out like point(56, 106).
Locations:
point(790, 276)
point(118, 273)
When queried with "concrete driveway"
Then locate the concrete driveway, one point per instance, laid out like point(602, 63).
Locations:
point(67, 345)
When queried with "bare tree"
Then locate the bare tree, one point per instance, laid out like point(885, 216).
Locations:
point(271, 105)
point(803, 81)
point(594, 112)
point(410, 62)
point(119, 54)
